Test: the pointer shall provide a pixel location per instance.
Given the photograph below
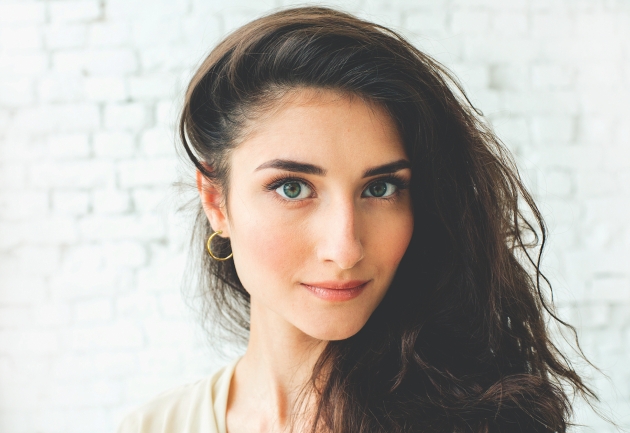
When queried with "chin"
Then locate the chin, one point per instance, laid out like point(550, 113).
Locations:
point(334, 331)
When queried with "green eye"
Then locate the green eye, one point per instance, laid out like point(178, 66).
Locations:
point(293, 190)
point(380, 189)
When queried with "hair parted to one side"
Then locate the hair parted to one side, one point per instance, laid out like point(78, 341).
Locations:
point(459, 343)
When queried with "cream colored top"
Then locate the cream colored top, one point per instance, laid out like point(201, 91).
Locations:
point(193, 408)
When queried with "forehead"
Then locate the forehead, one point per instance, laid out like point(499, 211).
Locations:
point(322, 127)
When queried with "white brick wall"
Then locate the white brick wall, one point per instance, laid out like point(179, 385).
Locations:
point(92, 253)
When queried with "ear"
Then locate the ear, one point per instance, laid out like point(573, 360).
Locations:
point(212, 201)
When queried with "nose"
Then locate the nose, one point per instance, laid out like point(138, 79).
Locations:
point(340, 241)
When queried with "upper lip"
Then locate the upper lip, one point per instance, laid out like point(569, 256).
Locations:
point(337, 284)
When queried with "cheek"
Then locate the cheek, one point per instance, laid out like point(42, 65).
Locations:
point(267, 250)
point(391, 241)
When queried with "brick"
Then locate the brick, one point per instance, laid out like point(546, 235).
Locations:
point(22, 12)
point(158, 142)
point(429, 23)
point(103, 364)
point(603, 76)
point(127, 227)
point(153, 86)
point(28, 341)
point(51, 314)
point(64, 36)
point(469, 22)
point(69, 145)
point(162, 30)
point(95, 393)
point(131, 116)
point(57, 117)
point(512, 130)
point(549, 131)
point(166, 113)
point(106, 89)
point(61, 88)
point(114, 144)
point(556, 102)
point(74, 203)
point(137, 306)
point(21, 289)
point(547, 77)
point(558, 183)
point(477, 48)
point(596, 25)
point(545, 25)
point(170, 362)
point(20, 38)
point(16, 92)
point(72, 174)
point(567, 156)
point(172, 306)
point(598, 130)
point(508, 77)
point(65, 11)
point(204, 30)
point(19, 147)
point(79, 284)
point(117, 335)
point(111, 201)
point(49, 231)
point(168, 333)
point(104, 256)
point(23, 205)
point(15, 317)
point(124, 9)
point(109, 34)
point(158, 279)
point(509, 23)
point(96, 62)
point(148, 199)
point(173, 58)
point(147, 172)
point(594, 183)
point(93, 310)
point(22, 65)
point(610, 289)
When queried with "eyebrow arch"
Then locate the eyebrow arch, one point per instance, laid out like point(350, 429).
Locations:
point(301, 167)
point(294, 166)
point(388, 168)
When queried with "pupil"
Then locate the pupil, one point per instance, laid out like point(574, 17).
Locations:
point(292, 189)
point(378, 189)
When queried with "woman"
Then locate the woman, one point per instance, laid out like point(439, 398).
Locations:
point(365, 230)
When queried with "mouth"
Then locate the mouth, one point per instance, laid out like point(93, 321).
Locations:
point(337, 290)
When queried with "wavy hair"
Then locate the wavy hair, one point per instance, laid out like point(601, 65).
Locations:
point(459, 342)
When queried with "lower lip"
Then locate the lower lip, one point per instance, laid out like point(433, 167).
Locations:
point(336, 294)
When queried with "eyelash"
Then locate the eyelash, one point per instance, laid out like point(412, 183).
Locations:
point(397, 181)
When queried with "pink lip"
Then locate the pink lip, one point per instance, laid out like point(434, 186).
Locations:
point(337, 290)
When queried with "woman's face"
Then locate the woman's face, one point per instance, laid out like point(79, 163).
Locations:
point(318, 204)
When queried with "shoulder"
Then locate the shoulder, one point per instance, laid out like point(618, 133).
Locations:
point(186, 408)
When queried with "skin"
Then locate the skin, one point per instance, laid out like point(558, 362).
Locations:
point(336, 229)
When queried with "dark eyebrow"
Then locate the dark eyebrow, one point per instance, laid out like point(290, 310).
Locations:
point(392, 167)
point(294, 166)
point(301, 167)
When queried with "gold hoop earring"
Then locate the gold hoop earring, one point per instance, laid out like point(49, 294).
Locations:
point(210, 250)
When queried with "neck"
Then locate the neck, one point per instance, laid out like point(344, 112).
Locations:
point(277, 365)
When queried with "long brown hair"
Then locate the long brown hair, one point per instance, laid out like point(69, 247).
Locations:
point(459, 343)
